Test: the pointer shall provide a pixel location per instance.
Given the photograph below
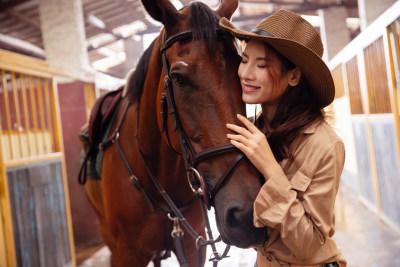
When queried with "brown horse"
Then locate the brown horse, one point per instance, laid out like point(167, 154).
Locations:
point(201, 67)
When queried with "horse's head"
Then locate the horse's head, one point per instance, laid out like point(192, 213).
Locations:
point(206, 94)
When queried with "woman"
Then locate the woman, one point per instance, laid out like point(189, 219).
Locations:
point(291, 145)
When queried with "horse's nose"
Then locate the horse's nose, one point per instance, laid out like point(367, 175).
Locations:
point(240, 224)
point(233, 217)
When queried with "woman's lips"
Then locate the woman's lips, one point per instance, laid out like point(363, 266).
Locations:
point(247, 88)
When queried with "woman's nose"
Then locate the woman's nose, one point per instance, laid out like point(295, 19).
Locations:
point(246, 72)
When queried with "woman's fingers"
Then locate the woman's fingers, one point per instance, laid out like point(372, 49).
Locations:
point(249, 125)
point(237, 137)
point(238, 129)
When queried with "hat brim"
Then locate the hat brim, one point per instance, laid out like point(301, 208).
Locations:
point(312, 66)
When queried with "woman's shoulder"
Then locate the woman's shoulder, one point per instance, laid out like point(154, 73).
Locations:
point(322, 135)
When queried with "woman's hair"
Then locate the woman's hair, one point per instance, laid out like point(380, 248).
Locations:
point(295, 111)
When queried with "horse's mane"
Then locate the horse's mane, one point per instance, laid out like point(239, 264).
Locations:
point(135, 80)
point(200, 19)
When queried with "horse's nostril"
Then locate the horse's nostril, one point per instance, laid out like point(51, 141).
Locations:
point(231, 218)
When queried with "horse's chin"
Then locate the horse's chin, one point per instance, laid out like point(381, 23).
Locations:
point(242, 237)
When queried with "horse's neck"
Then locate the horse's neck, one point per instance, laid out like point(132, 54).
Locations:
point(151, 141)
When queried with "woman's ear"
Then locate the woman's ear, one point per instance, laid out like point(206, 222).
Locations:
point(294, 76)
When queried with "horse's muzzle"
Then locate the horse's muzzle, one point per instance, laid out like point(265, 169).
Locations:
point(236, 227)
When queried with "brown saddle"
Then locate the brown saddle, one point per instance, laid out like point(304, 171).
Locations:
point(93, 132)
point(102, 110)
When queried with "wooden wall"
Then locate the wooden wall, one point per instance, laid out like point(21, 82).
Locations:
point(35, 218)
point(370, 73)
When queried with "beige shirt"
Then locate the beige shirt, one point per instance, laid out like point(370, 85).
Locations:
point(297, 205)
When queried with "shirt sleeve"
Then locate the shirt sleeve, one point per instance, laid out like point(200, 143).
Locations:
point(302, 209)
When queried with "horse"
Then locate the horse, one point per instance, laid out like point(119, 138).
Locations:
point(169, 132)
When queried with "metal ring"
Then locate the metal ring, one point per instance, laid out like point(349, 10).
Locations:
point(198, 177)
point(115, 136)
point(198, 241)
point(170, 216)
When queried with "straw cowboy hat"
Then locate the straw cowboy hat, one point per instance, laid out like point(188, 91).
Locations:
point(298, 41)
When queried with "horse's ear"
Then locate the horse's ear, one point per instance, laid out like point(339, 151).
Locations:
point(162, 11)
point(227, 8)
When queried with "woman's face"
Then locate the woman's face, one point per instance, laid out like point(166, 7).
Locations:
point(261, 76)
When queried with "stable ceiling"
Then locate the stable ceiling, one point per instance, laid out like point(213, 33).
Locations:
point(109, 22)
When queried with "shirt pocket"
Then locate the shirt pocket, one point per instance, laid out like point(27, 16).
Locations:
point(300, 183)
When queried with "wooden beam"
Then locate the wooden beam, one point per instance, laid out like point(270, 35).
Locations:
point(21, 46)
point(9, 4)
point(101, 25)
point(22, 18)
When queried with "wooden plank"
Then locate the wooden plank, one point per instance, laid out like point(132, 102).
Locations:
point(22, 18)
point(32, 159)
point(3, 255)
point(365, 174)
point(338, 80)
point(49, 116)
point(27, 126)
point(387, 161)
point(33, 112)
point(7, 109)
point(57, 117)
point(28, 65)
point(60, 147)
point(6, 221)
point(39, 211)
point(42, 118)
point(20, 152)
point(353, 80)
point(378, 89)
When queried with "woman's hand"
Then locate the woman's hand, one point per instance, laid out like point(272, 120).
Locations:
point(253, 143)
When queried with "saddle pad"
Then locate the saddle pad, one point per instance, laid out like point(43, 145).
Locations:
point(98, 129)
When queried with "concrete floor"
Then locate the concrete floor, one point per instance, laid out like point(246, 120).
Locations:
point(364, 238)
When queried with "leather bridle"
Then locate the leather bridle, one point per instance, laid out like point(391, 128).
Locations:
point(191, 158)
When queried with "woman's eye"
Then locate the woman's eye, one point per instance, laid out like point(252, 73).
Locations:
point(262, 66)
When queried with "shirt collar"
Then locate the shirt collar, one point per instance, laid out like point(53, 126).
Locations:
point(310, 129)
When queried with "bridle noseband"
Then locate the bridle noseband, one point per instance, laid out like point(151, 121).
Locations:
point(191, 158)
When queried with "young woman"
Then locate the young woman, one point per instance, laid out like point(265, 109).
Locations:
point(291, 145)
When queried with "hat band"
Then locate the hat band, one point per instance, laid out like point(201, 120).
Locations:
point(261, 32)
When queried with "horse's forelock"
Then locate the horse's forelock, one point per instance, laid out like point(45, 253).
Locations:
point(200, 18)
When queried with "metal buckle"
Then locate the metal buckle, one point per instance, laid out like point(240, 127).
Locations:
point(176, 229)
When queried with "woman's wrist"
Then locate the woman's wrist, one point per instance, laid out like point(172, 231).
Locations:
point(271, 170)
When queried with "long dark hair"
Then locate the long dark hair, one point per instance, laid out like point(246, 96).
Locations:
point(296, 110)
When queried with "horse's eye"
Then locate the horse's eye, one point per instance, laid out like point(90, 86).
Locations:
point(178, 79)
